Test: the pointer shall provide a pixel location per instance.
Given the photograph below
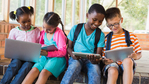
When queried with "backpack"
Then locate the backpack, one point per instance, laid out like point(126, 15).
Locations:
point(77, 31)
point(109, 37)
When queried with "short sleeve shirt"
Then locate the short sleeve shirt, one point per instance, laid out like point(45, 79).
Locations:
point(85, 43)
point(118, 41)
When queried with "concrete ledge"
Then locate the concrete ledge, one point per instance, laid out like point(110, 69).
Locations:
point(141, 76)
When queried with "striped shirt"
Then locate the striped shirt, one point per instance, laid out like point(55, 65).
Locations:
point(118, 41)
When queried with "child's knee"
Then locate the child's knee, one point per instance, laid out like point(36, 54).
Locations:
point(16, 61)
point(128, 62)
point(96, 69)
point(34, 70)
point(75, 64)
point(112, 71)
point(45, 72)
point(28, 64)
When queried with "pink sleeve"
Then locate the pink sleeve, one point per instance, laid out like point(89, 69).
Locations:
point(61, 40)
point(41, 41)
point(38, 34)
point(12, 34)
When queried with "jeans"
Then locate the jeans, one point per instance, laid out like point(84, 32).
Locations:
point(16, 68)
point(75, 67)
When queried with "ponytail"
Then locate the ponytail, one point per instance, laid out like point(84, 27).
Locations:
point(62, 25)
point(20, 11)
point(63, 28)
point(31, 9)
point(12, 15)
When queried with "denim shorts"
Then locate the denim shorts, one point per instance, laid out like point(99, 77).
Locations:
point(119, 68)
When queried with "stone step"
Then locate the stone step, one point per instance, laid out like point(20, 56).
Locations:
point(81, 79)
point(144, 80)
point(3, 65)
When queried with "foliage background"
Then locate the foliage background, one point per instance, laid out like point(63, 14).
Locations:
point(134, 12)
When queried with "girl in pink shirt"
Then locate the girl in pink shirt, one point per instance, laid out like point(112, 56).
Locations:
point(51, 62)
point(18, 69)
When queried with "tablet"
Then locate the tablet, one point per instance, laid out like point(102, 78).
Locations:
point(50, 48)
point(83, 55)
point(119, 54)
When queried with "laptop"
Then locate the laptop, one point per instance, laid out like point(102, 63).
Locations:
point(119, 54)
point(22, 50)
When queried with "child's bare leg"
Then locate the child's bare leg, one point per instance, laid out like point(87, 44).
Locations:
point(112, 75)
point(31, 76)
point(128, 71)
point(43, 76)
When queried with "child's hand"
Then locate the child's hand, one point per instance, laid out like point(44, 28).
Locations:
point(133, 55)
point(44, 45)
point(75, 57)
point(44, 53)
point(93, 59)
point(107, 61)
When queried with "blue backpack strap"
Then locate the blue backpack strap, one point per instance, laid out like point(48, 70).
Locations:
point(97, 38)
point(127, 38)
point(76, 33)
point(109, 38)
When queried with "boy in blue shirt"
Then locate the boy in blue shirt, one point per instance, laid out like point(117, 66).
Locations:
point(85, 44)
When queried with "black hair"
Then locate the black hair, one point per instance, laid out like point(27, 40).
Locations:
point(112, 12)
point(53, 19)
point(97, 8)
point(20, 11)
